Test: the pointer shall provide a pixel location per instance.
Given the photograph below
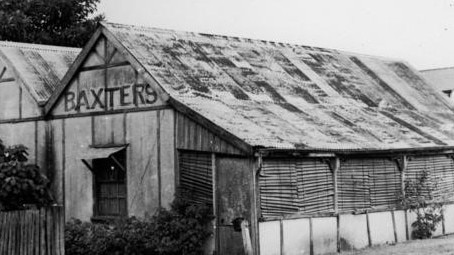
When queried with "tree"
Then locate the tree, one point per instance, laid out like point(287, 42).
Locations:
point(21, 184)
point(421, 197)
point(54, 22)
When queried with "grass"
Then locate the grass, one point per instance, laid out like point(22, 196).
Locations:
point(440, 246)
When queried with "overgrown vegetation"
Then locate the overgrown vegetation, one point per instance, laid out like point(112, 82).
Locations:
point(181, 230)
point(56, 22)
point(420, 196)
point(21, 184)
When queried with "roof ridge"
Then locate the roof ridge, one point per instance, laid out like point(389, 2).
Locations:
point(246, 39)
point(40, 47)
point(438, 68)
point(220, 36)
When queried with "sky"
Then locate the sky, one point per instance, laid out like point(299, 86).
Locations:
point(418, 31)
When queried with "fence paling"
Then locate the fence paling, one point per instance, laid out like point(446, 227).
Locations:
point(32, 231)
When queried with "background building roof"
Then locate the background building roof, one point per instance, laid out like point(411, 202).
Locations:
point(40, 67)
point(440, 78)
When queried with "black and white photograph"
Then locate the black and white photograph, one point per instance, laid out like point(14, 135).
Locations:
point(254, 127)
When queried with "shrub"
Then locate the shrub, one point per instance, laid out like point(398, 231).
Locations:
point(419, 197)
point(181, 230)
point(21, 184)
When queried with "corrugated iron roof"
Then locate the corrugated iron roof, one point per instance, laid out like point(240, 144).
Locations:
point(440, 78)
point(40, 67)
point(277, 95)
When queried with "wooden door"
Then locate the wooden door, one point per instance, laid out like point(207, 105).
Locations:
point(233, 198)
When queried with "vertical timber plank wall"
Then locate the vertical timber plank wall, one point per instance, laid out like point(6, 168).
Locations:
point(78, 178)
point(58, 159)
point(167, 154)
point(192, 136)
point(30, 134)
point(142, 171)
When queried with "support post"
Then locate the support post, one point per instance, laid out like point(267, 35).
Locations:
point(334, 165)
point(215, 212)
point(402, 163)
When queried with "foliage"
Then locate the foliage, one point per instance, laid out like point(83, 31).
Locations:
point(56, 22)
point(181, 230)
point(21, 184)
point(420, 196)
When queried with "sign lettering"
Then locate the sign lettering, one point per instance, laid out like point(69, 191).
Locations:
point(100, 98)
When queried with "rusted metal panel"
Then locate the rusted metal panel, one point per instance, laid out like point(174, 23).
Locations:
point(292, 97)
point(40, 67)
point(192, 136)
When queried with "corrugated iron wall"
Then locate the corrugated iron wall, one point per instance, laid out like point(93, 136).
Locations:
point(306, 185)
point(295, 185)
point(368, 182)
point(439, 167)
point(196, 177)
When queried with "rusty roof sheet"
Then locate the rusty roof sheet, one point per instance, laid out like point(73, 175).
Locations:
point(40, 67)
point(440, 78)
point(277, 95)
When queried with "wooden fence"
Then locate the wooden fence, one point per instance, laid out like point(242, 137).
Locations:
point(36, 231)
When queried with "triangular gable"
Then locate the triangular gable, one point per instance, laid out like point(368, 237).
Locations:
point(104, 80)
point(38, 67)
point(105, 50)
point(16, 100)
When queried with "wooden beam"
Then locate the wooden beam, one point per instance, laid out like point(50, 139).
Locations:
point(136, 64)
point(104, 66)
point(247, 244)
point(402, 163)
point(122, 168)
point(334, 165)
point(87, 165)
point(65, 82)
point(6, 80)
point(215, 204)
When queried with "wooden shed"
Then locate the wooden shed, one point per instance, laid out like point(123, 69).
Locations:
point(293, 139)
point(29, 74)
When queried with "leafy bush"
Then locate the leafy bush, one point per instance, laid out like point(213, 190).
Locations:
point(21, 184)
point(181, 230)
point(420, 197)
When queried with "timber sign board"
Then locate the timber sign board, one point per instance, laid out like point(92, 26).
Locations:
point(126, 96)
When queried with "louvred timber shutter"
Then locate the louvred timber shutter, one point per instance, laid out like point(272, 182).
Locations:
point(196, 178)
point(440, 169)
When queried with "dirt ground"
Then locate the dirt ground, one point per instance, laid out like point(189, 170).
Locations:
point(439, 246)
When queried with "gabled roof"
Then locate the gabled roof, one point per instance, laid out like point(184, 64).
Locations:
point(275, 95)
point(39, 67)
point(440, 78)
